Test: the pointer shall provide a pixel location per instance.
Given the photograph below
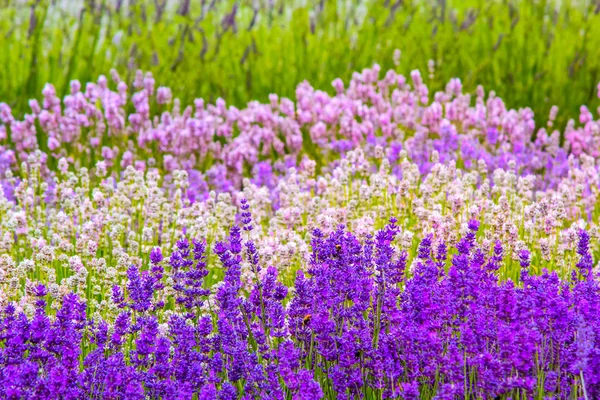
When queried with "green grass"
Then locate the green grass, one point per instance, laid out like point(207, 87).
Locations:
point(532, 53)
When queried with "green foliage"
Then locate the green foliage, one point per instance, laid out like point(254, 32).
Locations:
point(532, 53)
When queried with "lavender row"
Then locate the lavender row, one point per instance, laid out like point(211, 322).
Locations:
point(79, 237)
point(359, 324)
point(218, 145)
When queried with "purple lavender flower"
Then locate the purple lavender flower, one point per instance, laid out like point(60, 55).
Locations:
point(189, 273)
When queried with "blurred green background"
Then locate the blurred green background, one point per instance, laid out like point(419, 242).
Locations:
point(531, 53)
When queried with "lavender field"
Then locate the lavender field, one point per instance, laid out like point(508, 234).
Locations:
point(384, 237)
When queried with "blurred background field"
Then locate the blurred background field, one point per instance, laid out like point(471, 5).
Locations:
point(531, 53)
